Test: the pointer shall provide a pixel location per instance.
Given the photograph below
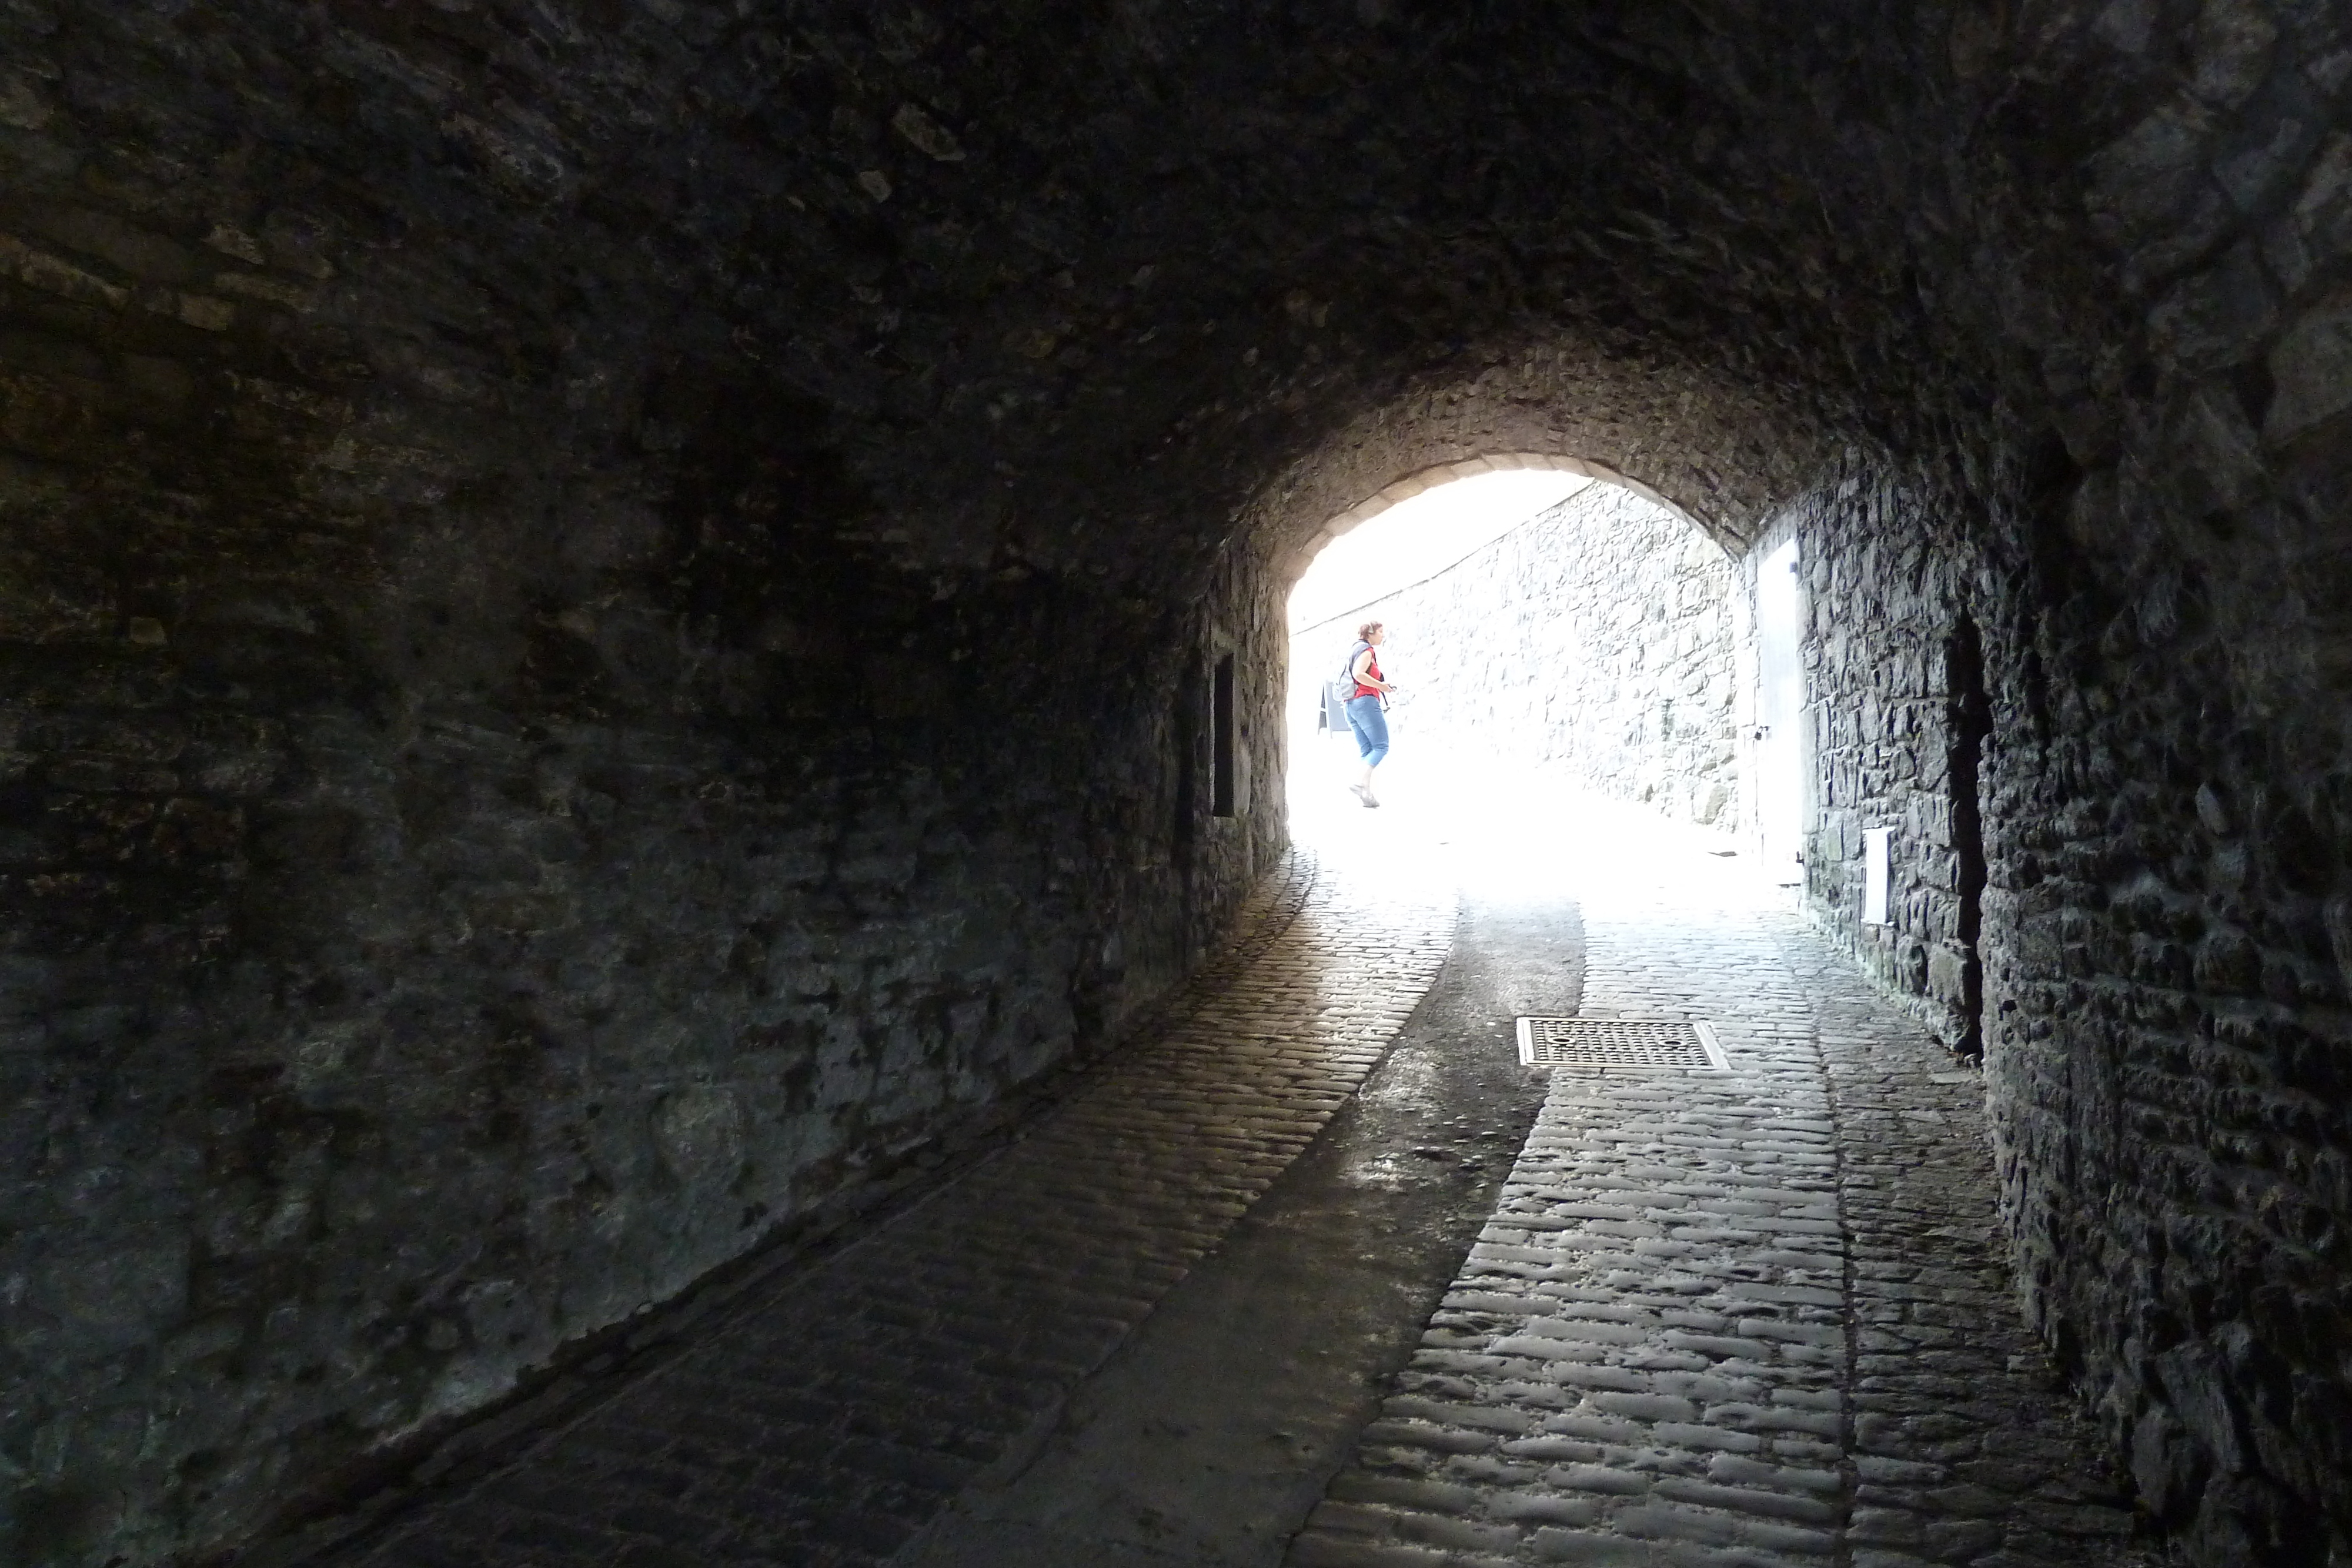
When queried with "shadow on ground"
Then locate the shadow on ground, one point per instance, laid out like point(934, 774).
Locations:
point(1210, 1435)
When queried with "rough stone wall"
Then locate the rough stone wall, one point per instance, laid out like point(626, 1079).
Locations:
point(1884, 577)
point(490, 488)
point(1592, 645)
point(368, 1041)
point(490, 830)
point(2164, 977)
point(2157, 582)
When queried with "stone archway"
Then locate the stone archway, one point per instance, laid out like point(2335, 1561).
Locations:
point(1439, 473)
point(1598, 645)
point(556, 568)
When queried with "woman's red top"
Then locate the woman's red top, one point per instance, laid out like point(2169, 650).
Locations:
point(1373, 670)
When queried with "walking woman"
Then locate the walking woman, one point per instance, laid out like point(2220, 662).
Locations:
point(1367, 704)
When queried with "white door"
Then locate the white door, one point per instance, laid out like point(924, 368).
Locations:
point(1780, 714)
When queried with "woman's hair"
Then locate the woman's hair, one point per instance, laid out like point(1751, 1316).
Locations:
point(1366, 629)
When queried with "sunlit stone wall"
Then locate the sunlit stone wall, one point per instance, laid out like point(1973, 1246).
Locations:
point(1591, 647)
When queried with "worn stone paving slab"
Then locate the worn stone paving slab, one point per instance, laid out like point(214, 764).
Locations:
point(1746, 1318)
point(825, 1425)
point(1963, 1451)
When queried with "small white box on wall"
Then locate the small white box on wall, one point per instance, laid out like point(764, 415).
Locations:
point(1877, 849)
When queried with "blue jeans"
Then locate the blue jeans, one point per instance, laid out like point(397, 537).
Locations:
point(1372, 728)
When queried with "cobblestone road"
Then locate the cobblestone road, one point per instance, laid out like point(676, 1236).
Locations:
point(825, 1425)
point(1757, 1317)
point(1743, 1318)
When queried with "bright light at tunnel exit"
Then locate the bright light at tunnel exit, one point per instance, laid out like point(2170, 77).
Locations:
point(1420, 537)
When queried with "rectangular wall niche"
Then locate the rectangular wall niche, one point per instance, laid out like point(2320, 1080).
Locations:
point(1877, 851)
point(1223, 760)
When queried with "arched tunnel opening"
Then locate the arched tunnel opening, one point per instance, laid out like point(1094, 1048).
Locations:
point(643, 649)
point(1545, 626)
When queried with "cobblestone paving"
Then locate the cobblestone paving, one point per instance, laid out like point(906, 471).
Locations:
point(825, 1425)
point(1760, 1317)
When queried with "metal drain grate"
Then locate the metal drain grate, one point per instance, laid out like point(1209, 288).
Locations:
point(1621, 1045)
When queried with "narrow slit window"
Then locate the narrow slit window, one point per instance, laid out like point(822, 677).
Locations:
point(1221, 739)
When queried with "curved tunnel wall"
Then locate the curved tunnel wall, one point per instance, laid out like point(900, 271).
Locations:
point(605, 611)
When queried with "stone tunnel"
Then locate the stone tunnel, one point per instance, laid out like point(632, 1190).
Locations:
point(624, 622)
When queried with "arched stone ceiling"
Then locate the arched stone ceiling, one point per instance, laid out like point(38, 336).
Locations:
point(1422, 480)
point(1064, 288)
point(419, 415)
